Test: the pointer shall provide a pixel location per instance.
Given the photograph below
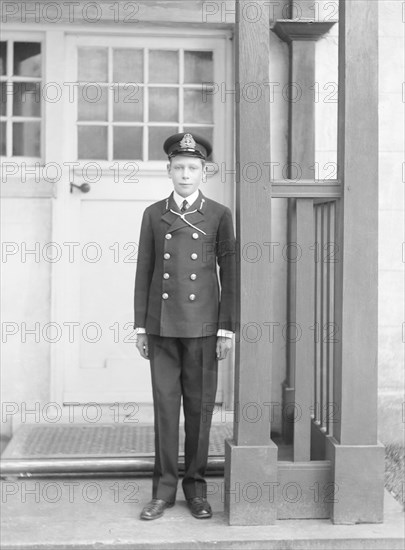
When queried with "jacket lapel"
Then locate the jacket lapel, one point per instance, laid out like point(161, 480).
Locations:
point(174, 221)
point(199, 205)
point(168, 216)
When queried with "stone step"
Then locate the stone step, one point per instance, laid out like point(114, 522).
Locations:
point(71, 513)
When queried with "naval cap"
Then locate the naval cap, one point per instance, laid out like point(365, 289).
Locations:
point(187, 144)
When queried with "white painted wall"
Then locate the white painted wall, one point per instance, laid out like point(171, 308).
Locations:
point(391, 198)
point(25, 282)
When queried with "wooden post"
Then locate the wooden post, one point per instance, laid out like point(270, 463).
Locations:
point(298, 386)
point(358, 459)
point(251, 457)
point(301, 156)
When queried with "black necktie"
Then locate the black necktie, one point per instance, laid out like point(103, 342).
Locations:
point(184, 206)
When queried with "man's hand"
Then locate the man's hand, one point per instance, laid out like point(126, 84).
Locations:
point(142, 345)
point(224, 345)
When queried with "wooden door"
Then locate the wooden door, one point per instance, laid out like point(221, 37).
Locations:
point(127, 94)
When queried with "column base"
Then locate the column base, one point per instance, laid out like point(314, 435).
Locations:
point(358, 475)
point(250, 484)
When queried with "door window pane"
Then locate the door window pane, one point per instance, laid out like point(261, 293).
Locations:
point(27, 99)
point(127, 65)
point(27, 59)
point(198, 107)
point(128, 103)
point(92, 142)
point(3, 97)
point(128, 143)
point(3, 58)
point(198, 67)
point(157, 136)
point(163, 66)
point(93, 64)
point(20, 101)
point(26, 139)
point(3, 138)
point(128, 111)
point(163, 104)
point(93, 103)
point(201, 131)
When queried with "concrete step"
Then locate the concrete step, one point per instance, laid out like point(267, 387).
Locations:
point(72, 513)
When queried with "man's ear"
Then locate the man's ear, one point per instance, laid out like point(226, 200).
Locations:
point(169, 173)
point(204, 173)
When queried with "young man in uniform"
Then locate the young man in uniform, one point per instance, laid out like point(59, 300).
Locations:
point(184, 319)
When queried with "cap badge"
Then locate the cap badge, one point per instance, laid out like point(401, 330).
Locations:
point(187, 142)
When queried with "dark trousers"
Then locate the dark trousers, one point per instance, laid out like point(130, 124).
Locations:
point(182, 367)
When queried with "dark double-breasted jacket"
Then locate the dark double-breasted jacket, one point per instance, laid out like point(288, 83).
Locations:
point(186, 270)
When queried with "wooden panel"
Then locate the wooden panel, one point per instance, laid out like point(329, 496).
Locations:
point(304, 490)
point(253, 220)
point(358, 222)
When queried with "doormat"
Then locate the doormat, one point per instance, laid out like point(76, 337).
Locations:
point(101, 440)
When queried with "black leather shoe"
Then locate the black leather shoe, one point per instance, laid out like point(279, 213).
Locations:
point(155, 508)
point(199, 507)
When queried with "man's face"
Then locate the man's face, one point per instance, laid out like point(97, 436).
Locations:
point(186, 173)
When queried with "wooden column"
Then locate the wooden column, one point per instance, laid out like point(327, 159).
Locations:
point(357, 457)
point(251, 457)
point(298, 386)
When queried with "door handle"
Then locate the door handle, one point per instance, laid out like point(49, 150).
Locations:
point(84, 187)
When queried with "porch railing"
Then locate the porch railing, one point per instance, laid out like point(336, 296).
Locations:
point(309, 390)
point(326, 331)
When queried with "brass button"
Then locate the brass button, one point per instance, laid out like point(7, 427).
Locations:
point(194, 256)
point(166, 256)
point(192, 297)
point(168, 236)
point(166, 275)
point(165, 296)
point(195, 235)
point(193, 276)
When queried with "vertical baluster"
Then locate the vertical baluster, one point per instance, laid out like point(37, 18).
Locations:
point(319, 331)
point(328, 318)
point(332, 314)
point(316, 395)
point(325, 331)
point(318, 316)
point(304, 349)
point(322, 320)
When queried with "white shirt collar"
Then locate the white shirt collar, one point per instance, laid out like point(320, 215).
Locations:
point(190, 199)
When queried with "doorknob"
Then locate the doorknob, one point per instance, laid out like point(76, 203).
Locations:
point(84, 187)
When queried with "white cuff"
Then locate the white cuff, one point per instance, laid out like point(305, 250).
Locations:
point(140, 330)
point(222, 333)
